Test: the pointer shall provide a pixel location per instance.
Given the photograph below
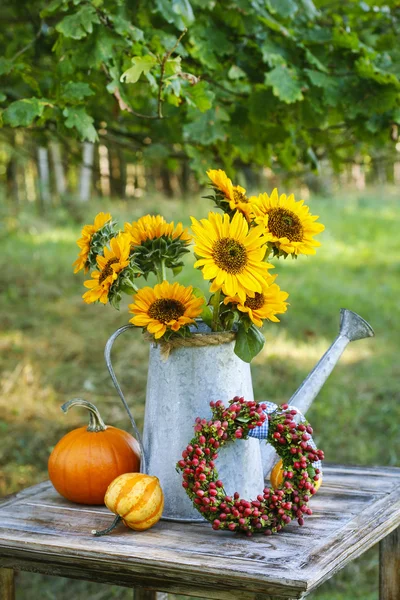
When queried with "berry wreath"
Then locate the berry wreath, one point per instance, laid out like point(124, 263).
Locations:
point(300, 470)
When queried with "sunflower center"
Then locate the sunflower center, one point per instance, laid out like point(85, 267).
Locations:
point(285, 223)
point(229, 255)
point(255, 303)
point(166, 309)
point(107, 269)
point(239, 196)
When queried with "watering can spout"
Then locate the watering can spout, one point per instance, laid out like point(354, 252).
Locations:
point(352, 328)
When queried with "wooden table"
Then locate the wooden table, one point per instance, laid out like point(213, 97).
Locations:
point(355, 509)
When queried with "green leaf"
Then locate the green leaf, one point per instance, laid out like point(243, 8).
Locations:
point(273, 24)
point(178, 12)
point(309, 9)
point(320, 79)
point(208, 128)
point(284, 8)
point(285, 84)
point(2, 97)
point(248, 344)
point(236, 72)
point(313, 60)
point(31, 81)
point(200, 95)
point(141, 64)
point(311, 471)
point(52, 7)
point(78, 119)
point(6, 65)
point(272, 54)
point(23, 112)
point(173, 66)
point(77, 26)
point(207, 315)
point(76, 90)
point(368, 70)
point(125, 27)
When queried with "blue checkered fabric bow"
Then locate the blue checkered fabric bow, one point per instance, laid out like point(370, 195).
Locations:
point(261, 432)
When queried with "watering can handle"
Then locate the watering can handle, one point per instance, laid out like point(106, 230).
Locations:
point(107, 357)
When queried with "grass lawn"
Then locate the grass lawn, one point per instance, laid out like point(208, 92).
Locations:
point(52, 350)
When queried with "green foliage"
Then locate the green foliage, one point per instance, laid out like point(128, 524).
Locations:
point(141, 64)
point(77, 118)
point(278, 82)
point(23, 112)
point(249, 342)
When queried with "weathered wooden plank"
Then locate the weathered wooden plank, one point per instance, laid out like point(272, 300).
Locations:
point(7, 588)
point(355, 508)
point(38, 490)
point(215, 588)
point(389, 566)
point(356, 537)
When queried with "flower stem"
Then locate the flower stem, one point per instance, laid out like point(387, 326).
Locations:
point(161, 271)
point(216, 303)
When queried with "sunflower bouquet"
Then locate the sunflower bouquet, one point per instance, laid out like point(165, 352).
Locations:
point(231, 249)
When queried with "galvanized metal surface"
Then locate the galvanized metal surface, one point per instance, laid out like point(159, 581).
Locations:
point(352, 328)
point(179, 390)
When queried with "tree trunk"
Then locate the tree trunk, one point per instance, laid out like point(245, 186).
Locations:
point(60, 180)
point(166, 182)
point(118, 172)
point(85, 177)
point(44, 176)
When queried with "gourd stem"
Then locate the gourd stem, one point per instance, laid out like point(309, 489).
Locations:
point(105, 531)
point(96, 423)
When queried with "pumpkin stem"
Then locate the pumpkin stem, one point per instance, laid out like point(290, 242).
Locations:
point(96, 423)
point(112, 526)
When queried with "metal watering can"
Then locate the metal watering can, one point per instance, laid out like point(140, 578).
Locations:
point(180, 389)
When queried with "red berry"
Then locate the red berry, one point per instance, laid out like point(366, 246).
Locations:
point(285, 406)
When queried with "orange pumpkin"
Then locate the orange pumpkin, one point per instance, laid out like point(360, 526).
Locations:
point(86, 460)
point(137, 499)
point(276, 477)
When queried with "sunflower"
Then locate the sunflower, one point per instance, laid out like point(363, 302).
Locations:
point(115, 259)
point(288, 224)
point(235, 194)
point(151, 227)
point(264, 305)
point(231, 254)
point(165, 307)
point(84, 242)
